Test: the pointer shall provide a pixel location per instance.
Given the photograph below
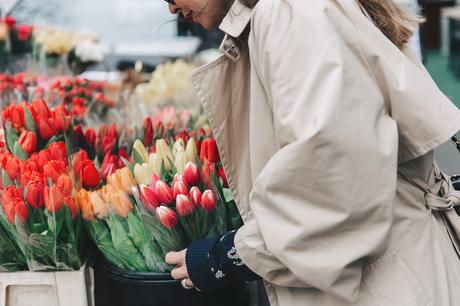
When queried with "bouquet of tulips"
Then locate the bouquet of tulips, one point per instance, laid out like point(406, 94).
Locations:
point(38, 208)
point(159, 202)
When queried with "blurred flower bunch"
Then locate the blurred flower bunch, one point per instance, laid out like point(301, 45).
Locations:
point(170, 84)
point(38, 207)
point(84, 55)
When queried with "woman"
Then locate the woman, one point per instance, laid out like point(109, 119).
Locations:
point(326, 124)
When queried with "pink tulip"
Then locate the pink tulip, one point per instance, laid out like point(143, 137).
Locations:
point(164, 192)
point(166, 216)
point(179, 188)
point(179, 178)
point(208, 200)
point(195, 194)
point(149, 198)
point(184, 205)
point(192, 174)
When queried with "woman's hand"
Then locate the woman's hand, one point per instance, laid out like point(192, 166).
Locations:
point(180, 272)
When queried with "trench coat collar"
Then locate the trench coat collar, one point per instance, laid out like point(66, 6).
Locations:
point(236, 20)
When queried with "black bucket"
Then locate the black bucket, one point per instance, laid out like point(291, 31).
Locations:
point(455, 179)
point(117, 287)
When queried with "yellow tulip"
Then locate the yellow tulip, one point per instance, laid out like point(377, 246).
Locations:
point(85, 205)
point(180, 161)
point(121, 180)
point(155, 162)
point(165, 153)
point(143, 173)
point(190, 150)
point(140, 148)
point(178, 145)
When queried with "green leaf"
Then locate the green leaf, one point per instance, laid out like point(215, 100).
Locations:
point(19, 152)
point(6, 180)
point(11, 136)
point(30, 123)
point(137, 158)
point(128, 165)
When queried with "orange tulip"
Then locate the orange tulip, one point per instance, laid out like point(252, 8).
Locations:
point(65, 184)
point(72, 205)
point(85, 205)
point(54, 200)
point(121, 203)
point(121, 180)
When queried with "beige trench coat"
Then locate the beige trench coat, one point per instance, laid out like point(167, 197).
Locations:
point(326, 132)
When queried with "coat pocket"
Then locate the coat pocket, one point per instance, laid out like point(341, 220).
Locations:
point(390, 282)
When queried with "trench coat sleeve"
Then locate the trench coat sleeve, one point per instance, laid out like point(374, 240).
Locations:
point(322, 205)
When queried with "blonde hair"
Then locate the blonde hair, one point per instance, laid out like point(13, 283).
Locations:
point(397, 24)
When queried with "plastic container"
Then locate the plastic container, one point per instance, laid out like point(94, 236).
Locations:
point(115, 287)
point(63, 288)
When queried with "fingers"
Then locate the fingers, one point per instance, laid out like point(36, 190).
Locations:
point(175, 258)
point(179, 273)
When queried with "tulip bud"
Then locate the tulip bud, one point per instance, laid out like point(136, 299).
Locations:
point(155, 162)
point(180, 161)
point(154, 180)
point(190, 150)
point(121, 203)
point(90, 137)
point(196, 195)
point(72, 205)
point(64, 184)
point(12, 167)
point(166, 216)
point(99, 206)
point(179, 188)
point(85, 205)
point(21, 211)
point(208, 200)
point(191, 174)
point(164, 192)
point(140, 149)
point(54, 200)
point(209, 151)
point(178, 146)
point(58, 150)
point(184, 205)
point(143, 173)
point(179, 178)
point(165, 153)
point(149, 198)
point(28, 141)
point(121, 180)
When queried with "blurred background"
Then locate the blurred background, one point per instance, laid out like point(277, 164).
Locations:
point(130, 38)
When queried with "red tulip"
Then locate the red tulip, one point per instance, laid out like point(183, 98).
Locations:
point(35, 189)
point(90, 136)
point(39, 107)
point(65, 184)
point(43, 157)
point(9, 193)
point(10, 21)
point(72, 205)
point(154, 180)
point(61, 118)
point(12, 167)
point(149, 198)
point(166, 216)
point(124, 154)
point(54, 200)
point(179, 188)
point(58, 150)
point(53, 169)
point(109, 143)
point(209, 151)
point(109, 165)
point(207, 172)
point(81, 156)
point(25, 32)
point(15, 114)
point(164, 192)
point(89, 175)
point(192, 174)
point(20, 209)
point(148, 135)
point(28, 141)
point(208, 201)
point(78, 137)
point(183, 135)
point(184, 205)
point(223, 177)
point(45, 126)
point(196, 195)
